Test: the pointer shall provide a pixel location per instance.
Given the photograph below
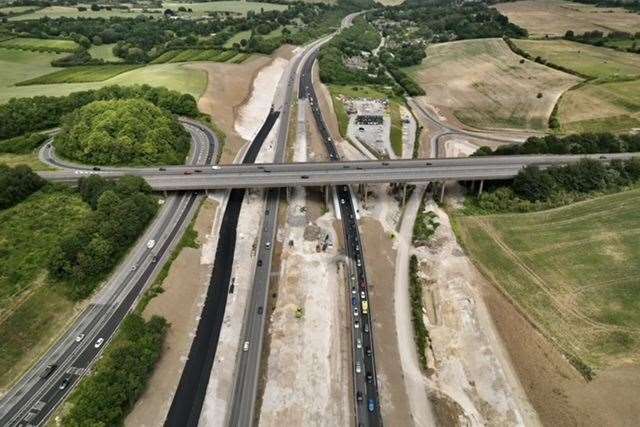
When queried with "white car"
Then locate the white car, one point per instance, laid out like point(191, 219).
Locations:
point(355, 312)
point(358, 343)
point(358, 368)
point(79, 337)
point(245, 347)
point(98, 342)
point(215, 167)
point(151, 243)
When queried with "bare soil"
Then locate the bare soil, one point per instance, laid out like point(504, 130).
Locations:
point(180, 303)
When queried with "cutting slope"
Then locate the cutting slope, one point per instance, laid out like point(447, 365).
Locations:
point(484, 84)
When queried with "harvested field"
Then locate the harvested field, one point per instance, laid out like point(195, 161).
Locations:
point(572, 270)
point(601, 63)
point(555, 17)
point(485, 85)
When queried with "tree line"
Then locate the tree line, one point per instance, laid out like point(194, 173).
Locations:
point(16, 184)
point(119, 378)
point(120, 212)
point(22, 115)
point(584, 143)
point(598, 38)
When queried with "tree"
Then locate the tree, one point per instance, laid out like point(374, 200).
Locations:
point(533, 184)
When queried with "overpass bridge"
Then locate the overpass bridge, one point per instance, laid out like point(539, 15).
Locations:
point(270, 175)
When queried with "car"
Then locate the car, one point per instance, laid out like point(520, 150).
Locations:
point(359, 396)
point(366, 328)
point(358, 368)
point(342, 201)
point(46, 372)
point(358, 343)
point(353, 301)
point(365, 307)
point(133, 267)
point(65, 382)
point(267, 171)
point(367, 351)
point(369, 378)
point(355, 312)
point(266, 212)
point(353, 277)
point(359, 262)
point(429, 163)
point(99, 342)
point(385, 163)
point(151, 243)
point(362, 295)
point(198, 171)
point(187, 172)
point(96, 168)
point(268, 245)
point(259, 263)
point(305, 177)
point(371, 405)
point(260, 310)
point(356, 324)
point(245, 346)
point(603, 157)
point(154, 259)
point(162, 169)
point(353, 290)
point(79, 337)
point(215, 167)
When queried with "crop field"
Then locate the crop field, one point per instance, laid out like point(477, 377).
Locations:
point(236, 38)
point(104, 51)
point(179, 77)
point(601, 63)
point(574, 271)
point(555, 17)
point(610, 102)
point(192, 55)
point(30, 308)
point(201, 9)
point(40, 45)
point(485, 85)
point(73, 12)
point(81, 74)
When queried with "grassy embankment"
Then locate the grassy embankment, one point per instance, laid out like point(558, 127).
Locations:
point(468, 79)
point(609, 101)
point(31, 308)
point(573, 271)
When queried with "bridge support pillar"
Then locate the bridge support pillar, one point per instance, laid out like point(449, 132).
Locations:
point(480, 187)
point(365, 191)
point(165, 194)
point(327, 196)
point(443, 184)
point(404, 194)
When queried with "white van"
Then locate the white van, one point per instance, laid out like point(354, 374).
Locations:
point(151, 243)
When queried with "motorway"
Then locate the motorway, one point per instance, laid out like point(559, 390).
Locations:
point(366, 399)
point(32, 400)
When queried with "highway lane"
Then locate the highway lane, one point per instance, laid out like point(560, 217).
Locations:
point(242, 407)
point(337, 173)
point(34, 398)
point(365, 382)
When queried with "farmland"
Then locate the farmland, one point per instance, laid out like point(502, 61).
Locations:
point(179, 77)
point(18, 65)
point(82, 74)
point(40, 45)
point(240, 7)
point(200, 55)
point(609, 102)
point(73, 12)
point(597, 62)
point(105, 52)
point(572, 270)
point(555, 17)
point(485, 85)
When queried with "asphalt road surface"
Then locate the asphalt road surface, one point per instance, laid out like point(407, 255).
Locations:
point(365, 383)
point(32, 400)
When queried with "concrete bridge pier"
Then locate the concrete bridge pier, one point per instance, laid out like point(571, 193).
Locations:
point(443, 184)
point(480, 187)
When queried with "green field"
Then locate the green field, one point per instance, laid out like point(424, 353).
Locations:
point(597, 62)
point(194, 55)
point(236, 38)
point(30, 160)
point(18, 65)
point(177, 77)
point(201, 9)
point(623, 44)
point(16, 9)
point(575, 272)
point(105, 52)
point(40, 45)
point(30, 308)
point(81, 74)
